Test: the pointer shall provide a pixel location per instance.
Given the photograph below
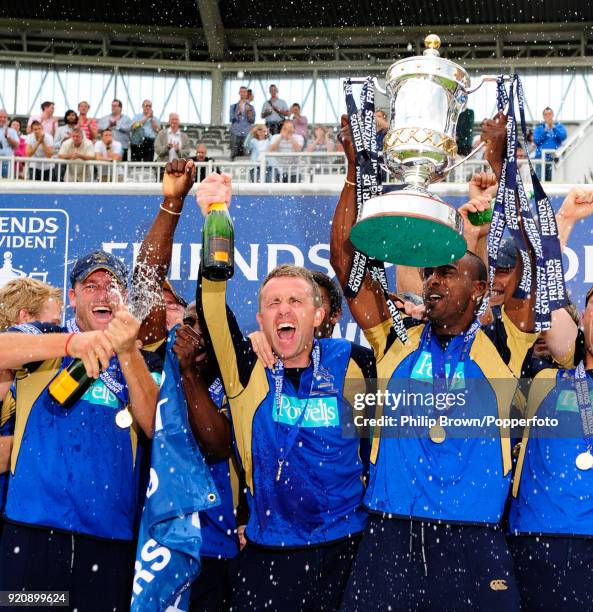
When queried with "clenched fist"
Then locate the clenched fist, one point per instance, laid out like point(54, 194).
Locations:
point(214, 189)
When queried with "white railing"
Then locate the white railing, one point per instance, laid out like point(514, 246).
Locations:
point(271, 168)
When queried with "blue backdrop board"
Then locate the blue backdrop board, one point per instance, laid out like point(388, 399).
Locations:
point(41, 234)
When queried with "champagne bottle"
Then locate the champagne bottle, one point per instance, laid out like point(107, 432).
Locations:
point(481, 217)
point(218, 244)
point(70, 384)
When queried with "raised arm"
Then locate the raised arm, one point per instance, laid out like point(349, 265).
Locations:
point(368, 308)
point(577, 205)
point(143, 390)
point(233, 352)
point(157, 246)
point(494, 135)
point(210, 427)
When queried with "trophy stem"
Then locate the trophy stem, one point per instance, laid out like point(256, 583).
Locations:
point(417, 176)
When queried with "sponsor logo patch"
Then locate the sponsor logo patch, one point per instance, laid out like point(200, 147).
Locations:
point(423, 371)
point(320, 411)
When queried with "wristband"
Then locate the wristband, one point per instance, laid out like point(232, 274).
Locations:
point(171, 212)
point(67, 343)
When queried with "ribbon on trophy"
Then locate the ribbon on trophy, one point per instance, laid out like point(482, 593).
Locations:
point(541, 236)
point(368, 185)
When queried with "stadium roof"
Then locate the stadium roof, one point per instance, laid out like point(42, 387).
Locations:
point(305, 13)
point(298, 35)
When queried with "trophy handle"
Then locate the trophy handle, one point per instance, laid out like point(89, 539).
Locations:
point(446, 171)
point(487, 78)
point(468, 156)
point(378, 87)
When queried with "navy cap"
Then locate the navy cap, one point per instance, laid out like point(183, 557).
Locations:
point(167, 284)
point(98, 260)
point(507, 254)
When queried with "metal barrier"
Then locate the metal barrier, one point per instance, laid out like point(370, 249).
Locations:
point(274, 167)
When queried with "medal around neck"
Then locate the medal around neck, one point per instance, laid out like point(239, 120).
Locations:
point(584, 461)
point(123, 418)
point(437, 434)
point(413, 226)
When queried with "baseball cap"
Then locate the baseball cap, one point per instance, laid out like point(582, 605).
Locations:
point(507, 254)
point(167, 284)
point(98, 260)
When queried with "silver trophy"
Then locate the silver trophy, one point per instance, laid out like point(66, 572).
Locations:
point(413, 226)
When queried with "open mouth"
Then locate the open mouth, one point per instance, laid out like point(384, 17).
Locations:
point(286, 331)
point(102, 313)
point(431, 299)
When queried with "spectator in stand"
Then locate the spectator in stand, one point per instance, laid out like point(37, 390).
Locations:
point(250, 96)
point(107, 149)
point(48, 122)
point(64, 132)
point(274, 111)
point(172, 143)
point(39, 145)
point(201, 156)
point(382, 127)
point(257, 143)
point(531, 148)
point(88, 126)
point(241, 116)
point(9, 141)
point(21, 150)
point(285, 168)
point(548, 135)
point(145, 127)
point(321, 142)
point(301, 123)
point(17, 126)
point(120, 124)
point(78, 150)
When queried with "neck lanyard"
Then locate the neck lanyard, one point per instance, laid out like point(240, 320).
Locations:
point(287, 437)
point(112, 377)
point(584, 461)
point(440, 380)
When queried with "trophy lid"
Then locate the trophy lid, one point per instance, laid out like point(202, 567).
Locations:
point(432, 43)
point(428, 64)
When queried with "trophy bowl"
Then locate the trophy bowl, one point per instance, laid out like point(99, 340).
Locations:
point(413, 226)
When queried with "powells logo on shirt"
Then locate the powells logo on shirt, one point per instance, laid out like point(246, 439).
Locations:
point(423, 371)
point(320, 411)
point(567, 401)
point(100, 395)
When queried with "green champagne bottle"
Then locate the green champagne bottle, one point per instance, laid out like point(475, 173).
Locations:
point(481, 217)
point(218, 244)
point(69, 385)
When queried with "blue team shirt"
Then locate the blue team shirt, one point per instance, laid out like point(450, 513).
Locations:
point(75, 469)
point(466, 478)
point(554, 496)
